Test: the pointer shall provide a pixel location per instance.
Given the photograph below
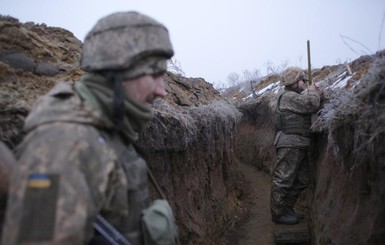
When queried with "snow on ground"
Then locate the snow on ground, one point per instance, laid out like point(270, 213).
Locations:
point(274, 87)
point(341, 83)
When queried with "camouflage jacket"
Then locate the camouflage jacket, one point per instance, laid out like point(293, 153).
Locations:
point(300, 106)
point(72, 166)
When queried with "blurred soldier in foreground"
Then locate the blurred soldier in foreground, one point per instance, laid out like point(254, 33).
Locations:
point(78, 159)
point(7, 162)
point(292, 142)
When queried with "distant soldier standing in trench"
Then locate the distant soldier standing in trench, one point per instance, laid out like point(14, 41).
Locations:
point(78, 159)
point(292, 142)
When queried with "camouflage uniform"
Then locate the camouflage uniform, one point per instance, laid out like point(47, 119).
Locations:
point(291, 172)
point(74, 164)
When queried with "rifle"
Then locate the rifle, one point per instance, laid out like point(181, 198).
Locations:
point(106, 234)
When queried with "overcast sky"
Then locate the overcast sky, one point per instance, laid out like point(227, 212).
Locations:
point(213, 38)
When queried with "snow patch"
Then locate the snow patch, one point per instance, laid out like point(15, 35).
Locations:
point(274, 87)
point(341, 83)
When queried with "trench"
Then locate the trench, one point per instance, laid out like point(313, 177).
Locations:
point(256, 156)
point(255, 225)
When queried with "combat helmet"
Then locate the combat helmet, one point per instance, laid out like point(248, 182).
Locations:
point(292, 75)
point(119, 40)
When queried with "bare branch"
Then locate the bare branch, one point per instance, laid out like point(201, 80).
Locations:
point(380, 34)
point(345, 38)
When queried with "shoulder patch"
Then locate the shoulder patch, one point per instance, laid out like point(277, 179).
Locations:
point(39, 208)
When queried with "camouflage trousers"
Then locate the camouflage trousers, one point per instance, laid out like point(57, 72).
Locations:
point(290, 178)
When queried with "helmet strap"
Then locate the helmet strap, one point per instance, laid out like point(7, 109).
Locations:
point(118, 109)
point(118, 102)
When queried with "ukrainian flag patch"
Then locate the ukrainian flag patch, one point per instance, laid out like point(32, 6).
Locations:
point(36, 180)
point(38, 214)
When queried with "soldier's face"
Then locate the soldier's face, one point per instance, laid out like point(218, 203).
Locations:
point(302, 85)
point(145, 89)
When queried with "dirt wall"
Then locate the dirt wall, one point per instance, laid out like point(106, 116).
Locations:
point(349, 195)
point(192, 155)
point(255, 133)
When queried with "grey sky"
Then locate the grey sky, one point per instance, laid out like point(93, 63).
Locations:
point(213, 38)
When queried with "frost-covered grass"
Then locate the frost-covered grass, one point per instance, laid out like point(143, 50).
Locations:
point(341, 104)
point(179, 129)
point(355, 119)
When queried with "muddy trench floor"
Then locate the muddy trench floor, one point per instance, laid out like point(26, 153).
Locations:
point(254, 226)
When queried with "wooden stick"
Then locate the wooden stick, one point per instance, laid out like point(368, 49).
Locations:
point(309, 63)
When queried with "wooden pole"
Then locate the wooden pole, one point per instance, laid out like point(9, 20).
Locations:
point(309, 63)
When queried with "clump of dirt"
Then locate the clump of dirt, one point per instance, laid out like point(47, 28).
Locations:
point(32, 59)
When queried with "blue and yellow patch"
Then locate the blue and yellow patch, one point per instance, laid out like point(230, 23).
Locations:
point(38, 213)
point(38, 181)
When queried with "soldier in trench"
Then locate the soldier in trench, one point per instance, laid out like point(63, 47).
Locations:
point(292, 120)
point(78, 159)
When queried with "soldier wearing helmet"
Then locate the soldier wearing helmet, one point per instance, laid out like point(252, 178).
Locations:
point(78, 159)
point(292, 120)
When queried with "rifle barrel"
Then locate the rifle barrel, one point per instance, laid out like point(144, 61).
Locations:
point(108, 233)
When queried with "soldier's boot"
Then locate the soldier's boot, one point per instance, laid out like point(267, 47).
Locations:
point(297, 214)
point(287, 219)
